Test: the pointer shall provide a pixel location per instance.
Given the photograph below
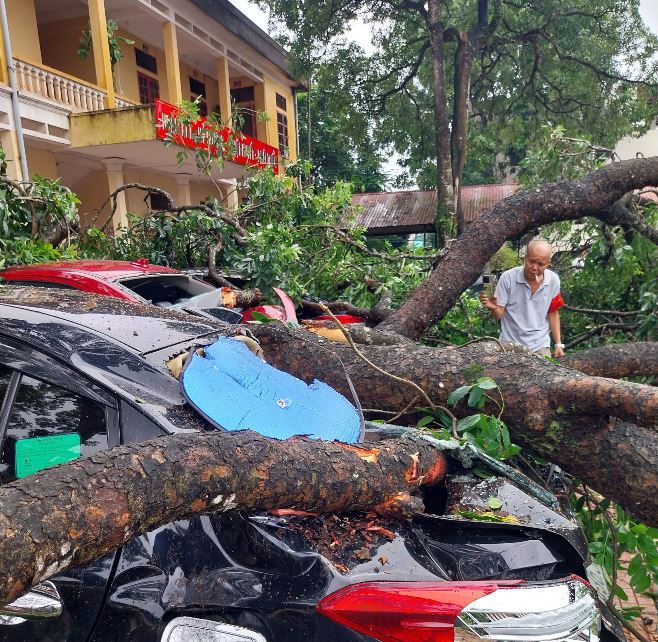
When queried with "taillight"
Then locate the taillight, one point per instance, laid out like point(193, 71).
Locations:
point(467, 611)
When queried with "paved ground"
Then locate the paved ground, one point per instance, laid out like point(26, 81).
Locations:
point(648, 623)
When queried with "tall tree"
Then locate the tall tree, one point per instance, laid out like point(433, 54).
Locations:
point(486, 63)
point(336, 134)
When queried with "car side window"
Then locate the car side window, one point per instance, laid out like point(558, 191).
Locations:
point(48, 425)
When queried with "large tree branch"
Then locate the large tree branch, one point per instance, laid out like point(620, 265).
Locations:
point(587, 425)
point(121, 493)
point(616, 360)
point(590, 195)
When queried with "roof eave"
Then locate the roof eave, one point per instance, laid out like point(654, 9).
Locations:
point(237, 23)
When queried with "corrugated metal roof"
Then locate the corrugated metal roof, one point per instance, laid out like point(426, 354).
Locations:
point(414, 210)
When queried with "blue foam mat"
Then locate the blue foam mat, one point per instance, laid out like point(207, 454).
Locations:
point(235, 390)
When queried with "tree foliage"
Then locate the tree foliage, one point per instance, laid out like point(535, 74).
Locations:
point(31, 216)
point(487, 74)
point(342, 145)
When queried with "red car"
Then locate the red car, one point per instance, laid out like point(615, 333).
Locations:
point(143, 282)
point(132, 280)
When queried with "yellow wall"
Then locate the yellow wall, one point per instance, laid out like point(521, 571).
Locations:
point(265, 94)
point(22, 18)
point(201, 191)
point(42, 162)
point(130, 124)
point(92, 191)
point(212, 91)
point(286, 92)
point(125, 72)
point(135, 198)
point(59, 42)
point(9, 145)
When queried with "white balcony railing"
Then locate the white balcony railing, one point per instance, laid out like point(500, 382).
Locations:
point(74, 93)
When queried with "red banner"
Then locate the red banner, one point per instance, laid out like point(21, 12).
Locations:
point(202, 134)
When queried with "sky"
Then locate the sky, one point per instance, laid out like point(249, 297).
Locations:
point(361, 33)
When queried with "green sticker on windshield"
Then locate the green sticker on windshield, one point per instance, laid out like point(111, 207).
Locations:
point(33, 455)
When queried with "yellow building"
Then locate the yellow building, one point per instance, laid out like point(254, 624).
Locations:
point(93, 124)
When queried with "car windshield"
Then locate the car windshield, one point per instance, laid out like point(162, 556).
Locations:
point(170, 290)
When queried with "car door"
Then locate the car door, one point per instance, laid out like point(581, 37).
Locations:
point(50, 414)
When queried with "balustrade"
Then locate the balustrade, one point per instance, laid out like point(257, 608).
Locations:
point(76, 95)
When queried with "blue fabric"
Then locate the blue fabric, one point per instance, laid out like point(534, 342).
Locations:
point(235, 390)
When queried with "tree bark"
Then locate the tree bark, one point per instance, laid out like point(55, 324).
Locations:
point(590, 195)
point(617, 360)
point(445, 202)
point(459, 132)
point(602, 431)
point(75, 513)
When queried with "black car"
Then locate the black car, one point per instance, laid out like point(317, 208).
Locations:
point(92, 370)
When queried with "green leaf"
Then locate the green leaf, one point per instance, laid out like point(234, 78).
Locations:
point(259, 316)
point(441, 435)
point(646, 544)
point(579, 503)
point(474, 396)
point(640, 582)
point(468, 422)
point(504, 434)
point(620, 593)
point(494, 503)
point(424, 421)
point(486, 383)
point(510, 451)
point(458, 394)
point(635, 565)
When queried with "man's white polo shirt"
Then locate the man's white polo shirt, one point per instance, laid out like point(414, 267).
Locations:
point(526, 314)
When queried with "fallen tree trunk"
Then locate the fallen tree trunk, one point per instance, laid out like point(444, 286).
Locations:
point(88, 507)
point(616, 360)
point(601, 431)
point(591, 195)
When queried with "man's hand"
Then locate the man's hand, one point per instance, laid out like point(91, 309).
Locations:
point(558, 352)
point(490, 304)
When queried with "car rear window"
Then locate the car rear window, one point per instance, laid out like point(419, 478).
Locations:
point(165, 290)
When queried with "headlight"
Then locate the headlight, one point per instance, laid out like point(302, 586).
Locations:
point(565, 611)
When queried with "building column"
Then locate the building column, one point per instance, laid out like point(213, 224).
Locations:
point(4, 76)
point(114, 170)
point(266, 102)
point(174, 90)
point(183, 194)
point(231, 194)
point(9, 144)
point(101, 48)
point(224, 84)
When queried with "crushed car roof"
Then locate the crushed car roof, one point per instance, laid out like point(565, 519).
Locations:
point(139, 328)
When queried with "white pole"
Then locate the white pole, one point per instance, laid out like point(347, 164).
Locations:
point(14, 92)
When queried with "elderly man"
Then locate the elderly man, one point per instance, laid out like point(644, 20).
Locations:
point(527, 301)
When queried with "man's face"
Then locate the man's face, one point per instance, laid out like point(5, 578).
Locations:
point(537, 259)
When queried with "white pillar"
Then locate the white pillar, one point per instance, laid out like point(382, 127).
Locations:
point(114, 169)
point(183, 195)
point(232, 199)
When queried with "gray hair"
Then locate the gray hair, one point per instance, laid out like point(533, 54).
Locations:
point(539, 240)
